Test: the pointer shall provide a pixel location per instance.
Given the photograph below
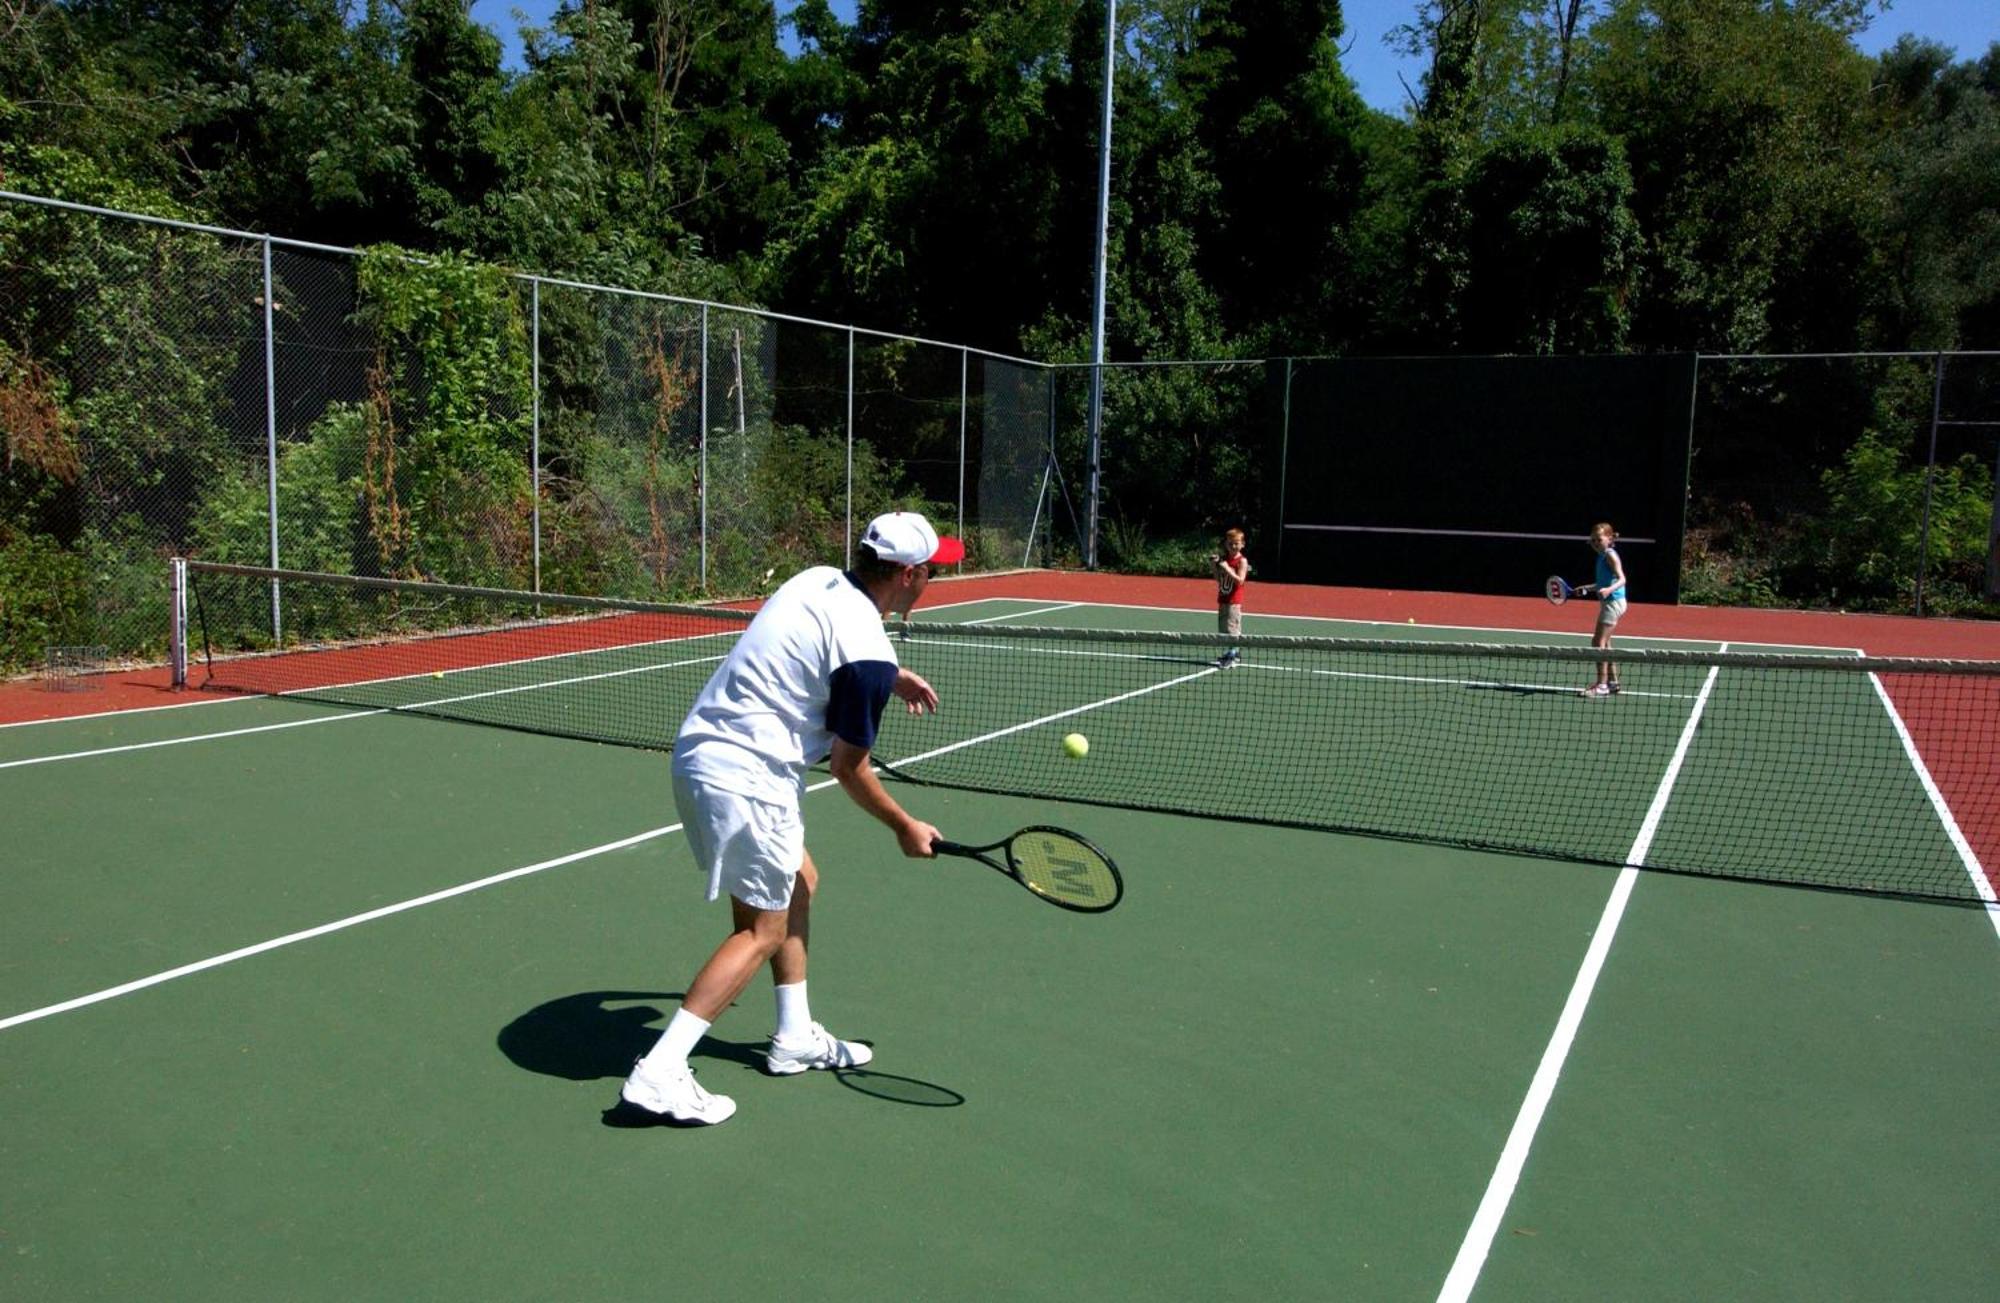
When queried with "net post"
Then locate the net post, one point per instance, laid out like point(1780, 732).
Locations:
point(177, 621)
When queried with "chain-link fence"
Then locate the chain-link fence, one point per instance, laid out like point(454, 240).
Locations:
point(171, 389)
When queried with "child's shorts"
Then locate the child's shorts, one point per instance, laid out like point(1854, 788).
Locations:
point(750, 848)
point(1609, 613)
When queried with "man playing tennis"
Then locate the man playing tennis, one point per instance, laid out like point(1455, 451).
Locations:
point(807, 680)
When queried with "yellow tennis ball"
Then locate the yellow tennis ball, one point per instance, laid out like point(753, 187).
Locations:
point(1413, 619)
point(437, 674)
point(1076, 744)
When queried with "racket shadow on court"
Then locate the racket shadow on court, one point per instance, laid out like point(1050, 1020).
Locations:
point(595, 1035)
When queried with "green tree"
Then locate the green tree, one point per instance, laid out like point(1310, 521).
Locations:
point(1746, 124)
point(1552, 249)
point(1940, 157)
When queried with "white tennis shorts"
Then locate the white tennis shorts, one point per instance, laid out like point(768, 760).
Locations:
point(750, 848)
point(1609, 613)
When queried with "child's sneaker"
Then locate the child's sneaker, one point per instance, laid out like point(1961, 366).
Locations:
point(678, 1096)
point(1598, 690)
point(816, 1049)
point(1615, 689)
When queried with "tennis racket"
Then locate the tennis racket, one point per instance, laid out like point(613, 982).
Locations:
point(1055, 864)
point(1560, 590)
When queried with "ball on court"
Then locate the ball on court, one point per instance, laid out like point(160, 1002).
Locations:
point(437, 674)
point(1413, 619)
point(1076, 744)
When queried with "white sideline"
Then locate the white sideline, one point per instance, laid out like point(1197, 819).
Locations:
point(1514, 1155)
point(216, 961)
point(1982, 886)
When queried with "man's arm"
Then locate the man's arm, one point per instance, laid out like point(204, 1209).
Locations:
point(857, 778)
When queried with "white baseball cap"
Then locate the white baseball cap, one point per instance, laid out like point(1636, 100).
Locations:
point(907, 539)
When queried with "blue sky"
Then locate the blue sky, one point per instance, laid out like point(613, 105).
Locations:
point(1966, 25)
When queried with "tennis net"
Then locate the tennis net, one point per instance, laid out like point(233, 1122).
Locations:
point(1836, 771)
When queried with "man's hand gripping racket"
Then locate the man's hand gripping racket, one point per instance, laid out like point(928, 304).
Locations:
point(1055, 864)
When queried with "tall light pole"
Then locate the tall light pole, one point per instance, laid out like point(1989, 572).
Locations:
point(1097, 296)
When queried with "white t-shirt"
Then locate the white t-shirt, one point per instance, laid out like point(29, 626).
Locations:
point(814, 665)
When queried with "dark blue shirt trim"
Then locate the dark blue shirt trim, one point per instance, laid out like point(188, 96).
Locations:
point(855, 699)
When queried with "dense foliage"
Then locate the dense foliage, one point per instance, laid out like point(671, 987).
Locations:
point(1724, 176)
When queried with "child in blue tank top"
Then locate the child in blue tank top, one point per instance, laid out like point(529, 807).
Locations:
point(1610, 604)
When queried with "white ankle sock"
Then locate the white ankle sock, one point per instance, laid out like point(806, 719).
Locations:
point(669, 1054)
point(794, 1015)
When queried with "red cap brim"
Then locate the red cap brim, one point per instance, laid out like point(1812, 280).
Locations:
point(949, 552)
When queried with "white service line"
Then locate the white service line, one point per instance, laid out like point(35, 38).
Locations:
point(292, 938)
point(1022, 615)
point(1699, 644)
point(192, 737)
point(385, 911)
point(1514, 1155)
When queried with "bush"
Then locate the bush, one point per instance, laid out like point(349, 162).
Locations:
point(44, 599)
point(1873, 537)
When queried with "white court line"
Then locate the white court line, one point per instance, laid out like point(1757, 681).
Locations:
point(1514, 1155)
point(1022, 615)
point(192, 737)
point(413, 708)
point(120, 712)
point(1981, 884)
point(216, 961)
point(1702, 643)
point(1550, 689)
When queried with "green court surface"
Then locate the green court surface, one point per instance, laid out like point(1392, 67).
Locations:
point(420, 956)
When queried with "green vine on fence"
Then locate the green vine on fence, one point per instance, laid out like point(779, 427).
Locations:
point(447, 479)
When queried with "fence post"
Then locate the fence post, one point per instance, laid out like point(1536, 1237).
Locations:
point(535, 422)
point(964, 371)
point(1993, 534)
point(850, 448)
point(1284, 458)
point(1099, 267)
point(271, 437)
point(1930, 477)
point(704, 447)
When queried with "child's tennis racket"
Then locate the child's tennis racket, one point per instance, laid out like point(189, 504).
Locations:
point(1559, 590)
point(1055, 864)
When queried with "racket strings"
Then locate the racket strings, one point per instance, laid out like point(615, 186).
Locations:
point(1063, 868)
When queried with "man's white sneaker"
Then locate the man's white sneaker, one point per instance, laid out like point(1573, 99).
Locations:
point(816, 1049)
point(678, 1096)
